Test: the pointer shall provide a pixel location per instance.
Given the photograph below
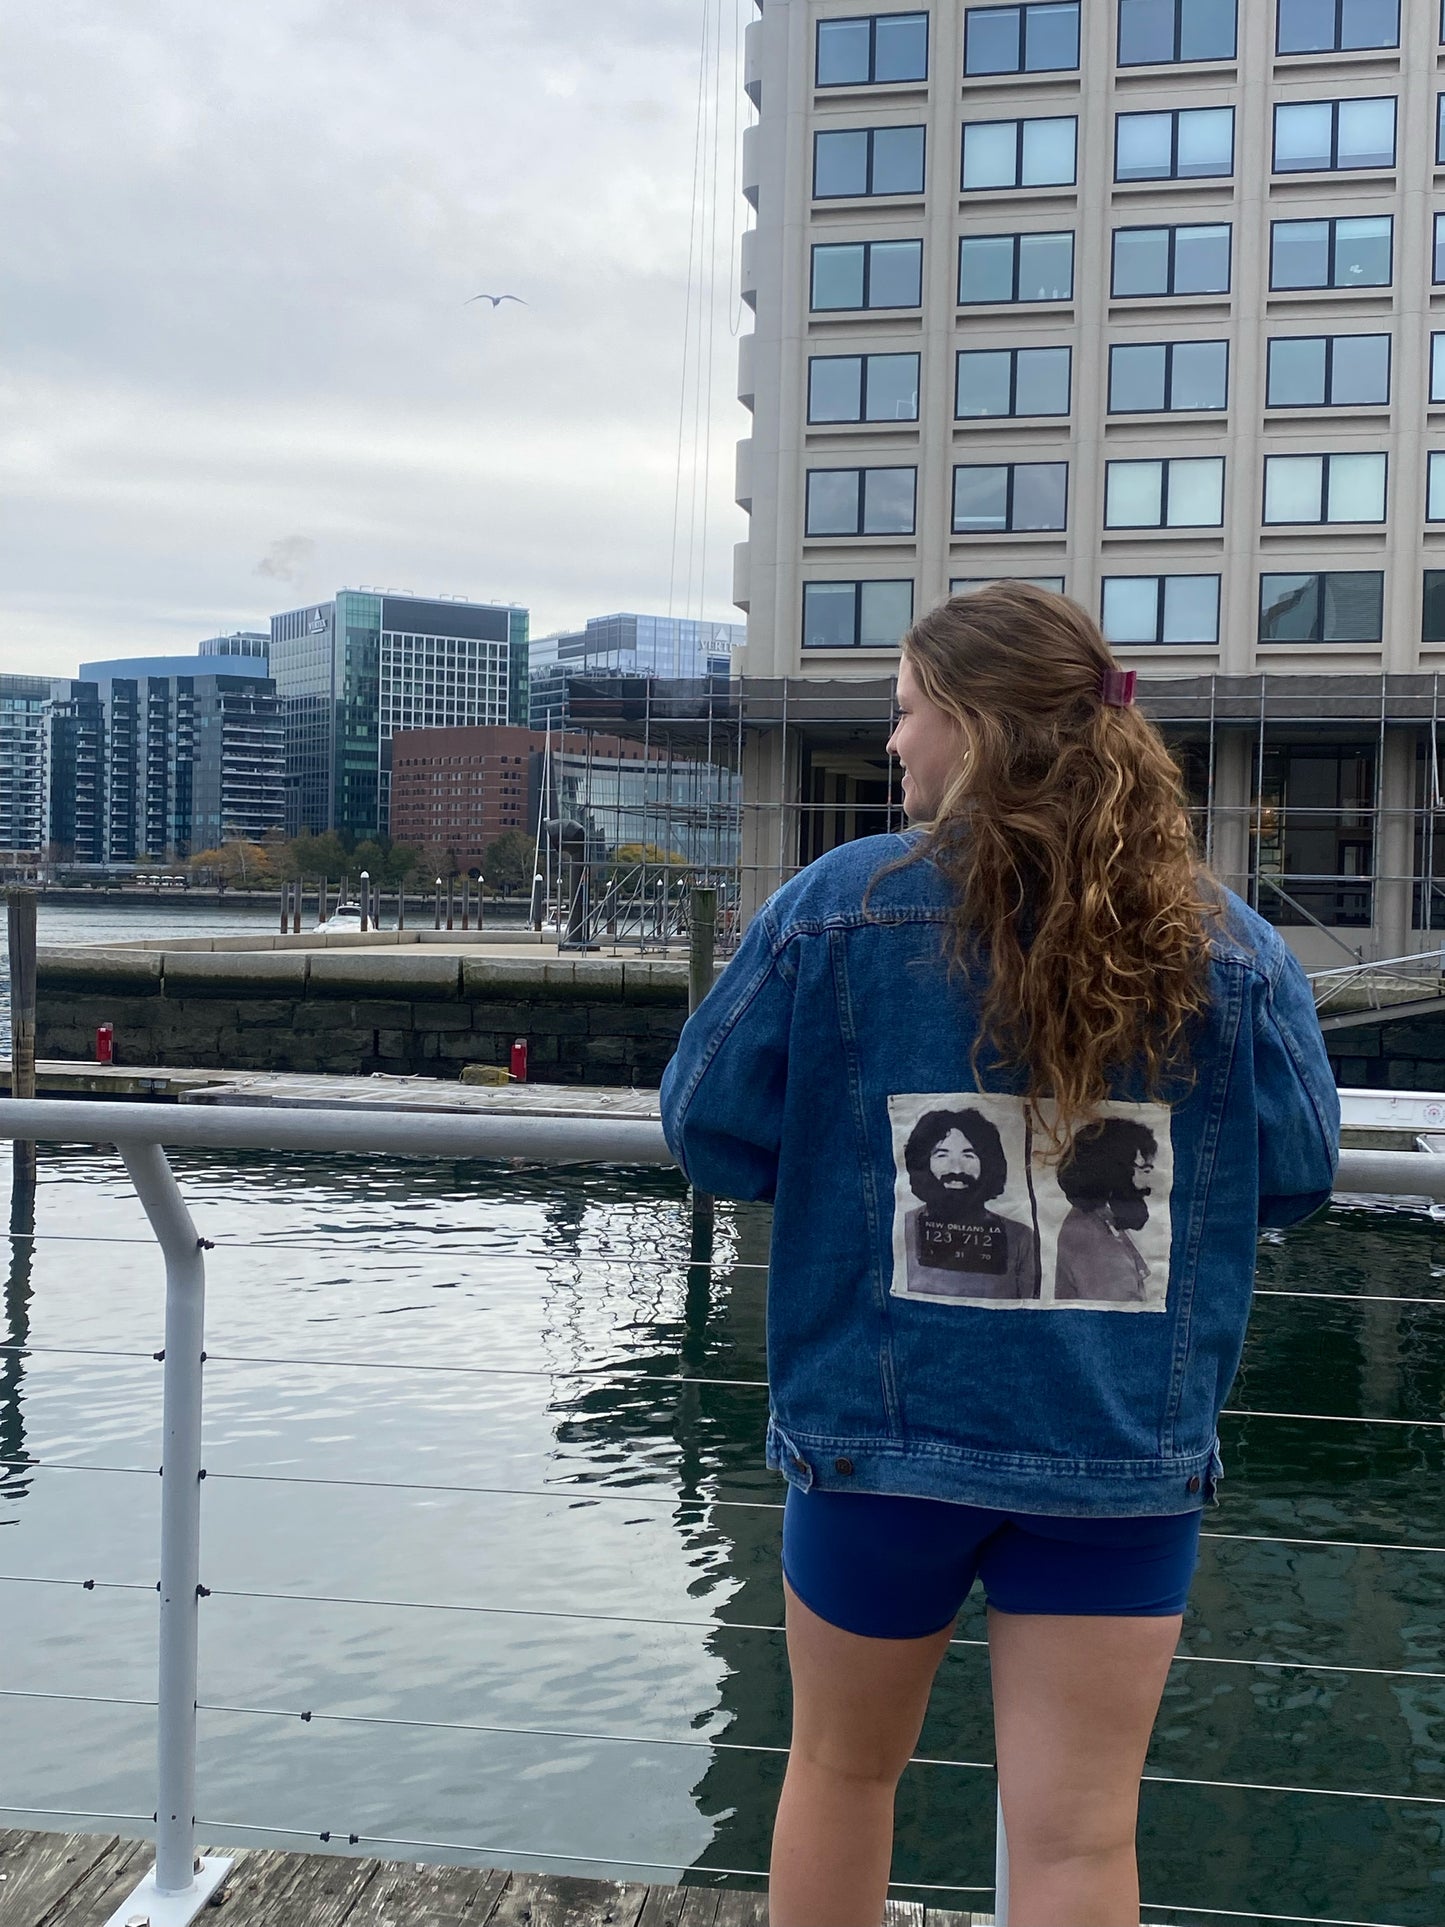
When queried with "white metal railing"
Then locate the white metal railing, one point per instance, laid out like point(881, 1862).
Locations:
point(1387, 980)
point(180, 1885)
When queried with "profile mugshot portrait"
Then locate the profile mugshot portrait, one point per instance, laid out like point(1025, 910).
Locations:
point(954, 1245)
point(1105, 1175)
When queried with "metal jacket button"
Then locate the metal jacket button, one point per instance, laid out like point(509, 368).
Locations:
point(843, 1465)
point(1194, 1483)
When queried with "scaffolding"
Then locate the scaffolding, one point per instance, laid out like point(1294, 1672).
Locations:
point(1316, 797)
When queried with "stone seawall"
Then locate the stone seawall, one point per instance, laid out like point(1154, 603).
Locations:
point(1403, 1054)
point(403, 1010)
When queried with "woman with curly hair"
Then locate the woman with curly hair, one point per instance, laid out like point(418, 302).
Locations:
point(1034, 1009)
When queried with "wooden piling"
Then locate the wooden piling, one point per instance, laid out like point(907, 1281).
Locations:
point(20, 913)
point(701, 951)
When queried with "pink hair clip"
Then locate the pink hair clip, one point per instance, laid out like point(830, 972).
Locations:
point(1116, 687)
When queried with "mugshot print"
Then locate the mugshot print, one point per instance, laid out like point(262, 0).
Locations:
point(963, 1224)
point(983, 1214)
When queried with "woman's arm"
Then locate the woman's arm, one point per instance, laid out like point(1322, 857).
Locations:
point(1299, 1107)
point(722, 1094)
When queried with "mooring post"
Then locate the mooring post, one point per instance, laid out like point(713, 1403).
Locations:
point(701, 946)
point(296, 907)
point(20, 912)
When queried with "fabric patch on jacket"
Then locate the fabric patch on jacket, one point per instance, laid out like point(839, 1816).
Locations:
point(980, 1218)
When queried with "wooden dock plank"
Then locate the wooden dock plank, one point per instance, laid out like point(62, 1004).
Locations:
point(563, 1900)
point(39, 1869)
point(269, 1889)
point(96, 1896)
point(420, 1895)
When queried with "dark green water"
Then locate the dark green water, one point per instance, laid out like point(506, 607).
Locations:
point(414, 1334)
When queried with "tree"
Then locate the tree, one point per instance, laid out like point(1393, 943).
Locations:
point(509, 863)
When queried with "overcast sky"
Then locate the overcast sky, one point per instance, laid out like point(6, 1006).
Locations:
point(236, 371)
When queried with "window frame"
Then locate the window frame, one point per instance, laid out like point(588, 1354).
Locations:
point(1173, 229)
point(1023, 8)
point(1175, 114)
point(906, 13)
point(1331, 224)
point(1012, 413)
point(1440, 130)
point(1432, 456)
point(1314, 53)
point(1333, 165)
point(865, 356)
point(1177, 59)
point(1158, 640)
point(966, 584)
point(861, 471)
point(1018, 185)
point(1169, 347)
point(870, 192)
point(1018, 238)
point(867, 307)
point(1011, 467)
point(1319, 640)
point(1434, 642)
point(1437, 334)
point(1329, 340)
point(1326, 458)
point(857, 584)
point(1166, 463)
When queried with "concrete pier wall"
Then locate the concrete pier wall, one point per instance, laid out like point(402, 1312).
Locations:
point(402, 1010)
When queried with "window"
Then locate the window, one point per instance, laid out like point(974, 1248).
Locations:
point(1153, 32)
point(1328, 371)
point(1435, 488)
point(1433, 626)
point(1314, 136)
point(1021, 40)
point(998, 497)
point(860, 501)
point(1313, 847)
point(856, 615)
point(1188, 144)
point(1011, 381)
point(863, 388)
point(966, 584)
point(867, 274)
point(867, 160)
point(1161, 608)
point(1015, 267)
point(1354, 253)
point(1344, 607)
point(1324, 488)
point(1336, 26)
point(1438, 271)
point(1148, 377)
point(1182, 493)
point(1437, 367)
point(1440, 130)
point(1171, 260)
point(1018, 153)
point(872, 50)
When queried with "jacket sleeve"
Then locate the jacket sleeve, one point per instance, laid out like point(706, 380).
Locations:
point(722, 1094)
point(1299, 1106)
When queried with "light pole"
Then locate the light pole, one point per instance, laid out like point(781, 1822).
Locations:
point(366, 900)
point(437, 920)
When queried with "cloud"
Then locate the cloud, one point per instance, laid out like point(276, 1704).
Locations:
point(233, 301)
point(287, 560)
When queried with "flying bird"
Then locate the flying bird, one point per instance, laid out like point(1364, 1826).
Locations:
point(495, 299)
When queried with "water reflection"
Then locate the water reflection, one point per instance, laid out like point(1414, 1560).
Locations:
point(14, 1479)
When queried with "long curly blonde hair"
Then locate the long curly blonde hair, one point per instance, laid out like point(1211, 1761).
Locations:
point(1081, 900)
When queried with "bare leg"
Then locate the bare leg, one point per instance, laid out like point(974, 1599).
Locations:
point(1074, 1703)
point(858, 1707)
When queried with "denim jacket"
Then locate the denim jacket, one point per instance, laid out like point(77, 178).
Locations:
point(951, 1314)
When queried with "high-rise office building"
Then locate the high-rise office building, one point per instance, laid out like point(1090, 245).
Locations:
point(351, 671)
point(191, 755)
point(626, 645)
point(1145, 300)
point(24, 770)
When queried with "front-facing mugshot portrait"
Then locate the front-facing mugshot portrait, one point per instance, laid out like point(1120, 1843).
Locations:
point(963, 1217)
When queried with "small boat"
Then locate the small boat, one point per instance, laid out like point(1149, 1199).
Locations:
point(346, 916)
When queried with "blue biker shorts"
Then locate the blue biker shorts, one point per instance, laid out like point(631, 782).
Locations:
point(896, 1568)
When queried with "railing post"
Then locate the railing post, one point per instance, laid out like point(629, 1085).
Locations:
point(177, 1889)
point(1000, 1869)
point(701, 945)
point(20, 917)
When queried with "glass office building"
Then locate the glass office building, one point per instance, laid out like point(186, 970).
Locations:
point(352, 671)
point(24, 769)
point(669, 647)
